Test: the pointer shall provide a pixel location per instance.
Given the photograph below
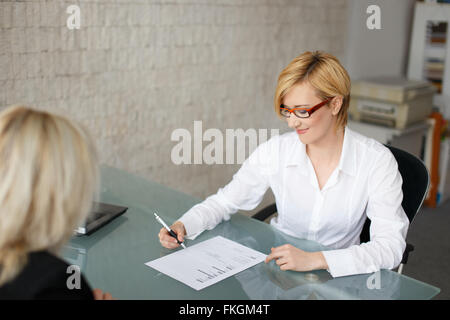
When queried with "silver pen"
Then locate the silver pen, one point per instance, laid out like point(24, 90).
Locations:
point(171, 232)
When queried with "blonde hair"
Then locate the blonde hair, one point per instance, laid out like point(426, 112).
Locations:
point(324, 73)
point(49, 176)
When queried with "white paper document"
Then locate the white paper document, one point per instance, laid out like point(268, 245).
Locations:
point(207, 262)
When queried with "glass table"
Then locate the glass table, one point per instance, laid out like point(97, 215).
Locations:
point(112, 258)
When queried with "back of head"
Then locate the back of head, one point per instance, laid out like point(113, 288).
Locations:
point(49, 175)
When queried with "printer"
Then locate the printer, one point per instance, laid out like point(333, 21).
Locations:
point(390, 101)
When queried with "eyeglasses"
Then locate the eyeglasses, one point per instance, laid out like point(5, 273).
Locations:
point(301, 112)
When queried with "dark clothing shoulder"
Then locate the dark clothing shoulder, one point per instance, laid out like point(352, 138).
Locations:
point(45, 276)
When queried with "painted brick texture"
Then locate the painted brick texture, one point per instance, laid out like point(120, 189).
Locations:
point(137, 70)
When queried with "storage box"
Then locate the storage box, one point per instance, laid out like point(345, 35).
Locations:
point(393, 102)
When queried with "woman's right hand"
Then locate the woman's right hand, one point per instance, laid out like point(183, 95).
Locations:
point(168, 241)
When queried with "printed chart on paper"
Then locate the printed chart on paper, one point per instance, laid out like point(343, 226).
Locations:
point(207, 262)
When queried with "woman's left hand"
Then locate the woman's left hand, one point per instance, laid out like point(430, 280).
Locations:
point(289, 257)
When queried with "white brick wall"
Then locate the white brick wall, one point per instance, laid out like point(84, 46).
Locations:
point(138, 69)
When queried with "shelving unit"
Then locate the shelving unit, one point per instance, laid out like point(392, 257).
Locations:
point(429, 56)
point(435, 51)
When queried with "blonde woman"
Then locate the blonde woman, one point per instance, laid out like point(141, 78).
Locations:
point(49, 174)
point(327, 180)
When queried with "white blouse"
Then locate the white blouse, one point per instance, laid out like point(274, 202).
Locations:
point(366, 183)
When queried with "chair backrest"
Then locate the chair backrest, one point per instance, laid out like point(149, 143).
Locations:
point(416, 181)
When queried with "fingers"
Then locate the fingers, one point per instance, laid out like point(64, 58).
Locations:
point(107, 296)
point(167, 240)
point(276, 253)
point(285, 267)
point(270, 256)
point(179, 229)
point(281, 256)
point(99, 295)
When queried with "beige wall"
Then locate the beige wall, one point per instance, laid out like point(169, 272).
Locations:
point(137, 70)
point(383, 52)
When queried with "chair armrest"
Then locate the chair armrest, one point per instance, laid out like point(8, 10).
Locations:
point(265, 213)
point(409, 248)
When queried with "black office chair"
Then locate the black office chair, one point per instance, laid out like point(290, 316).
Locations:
point(416, 181)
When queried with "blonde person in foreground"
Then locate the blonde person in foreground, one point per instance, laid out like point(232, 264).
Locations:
point(49, 174)
point(327, 180)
